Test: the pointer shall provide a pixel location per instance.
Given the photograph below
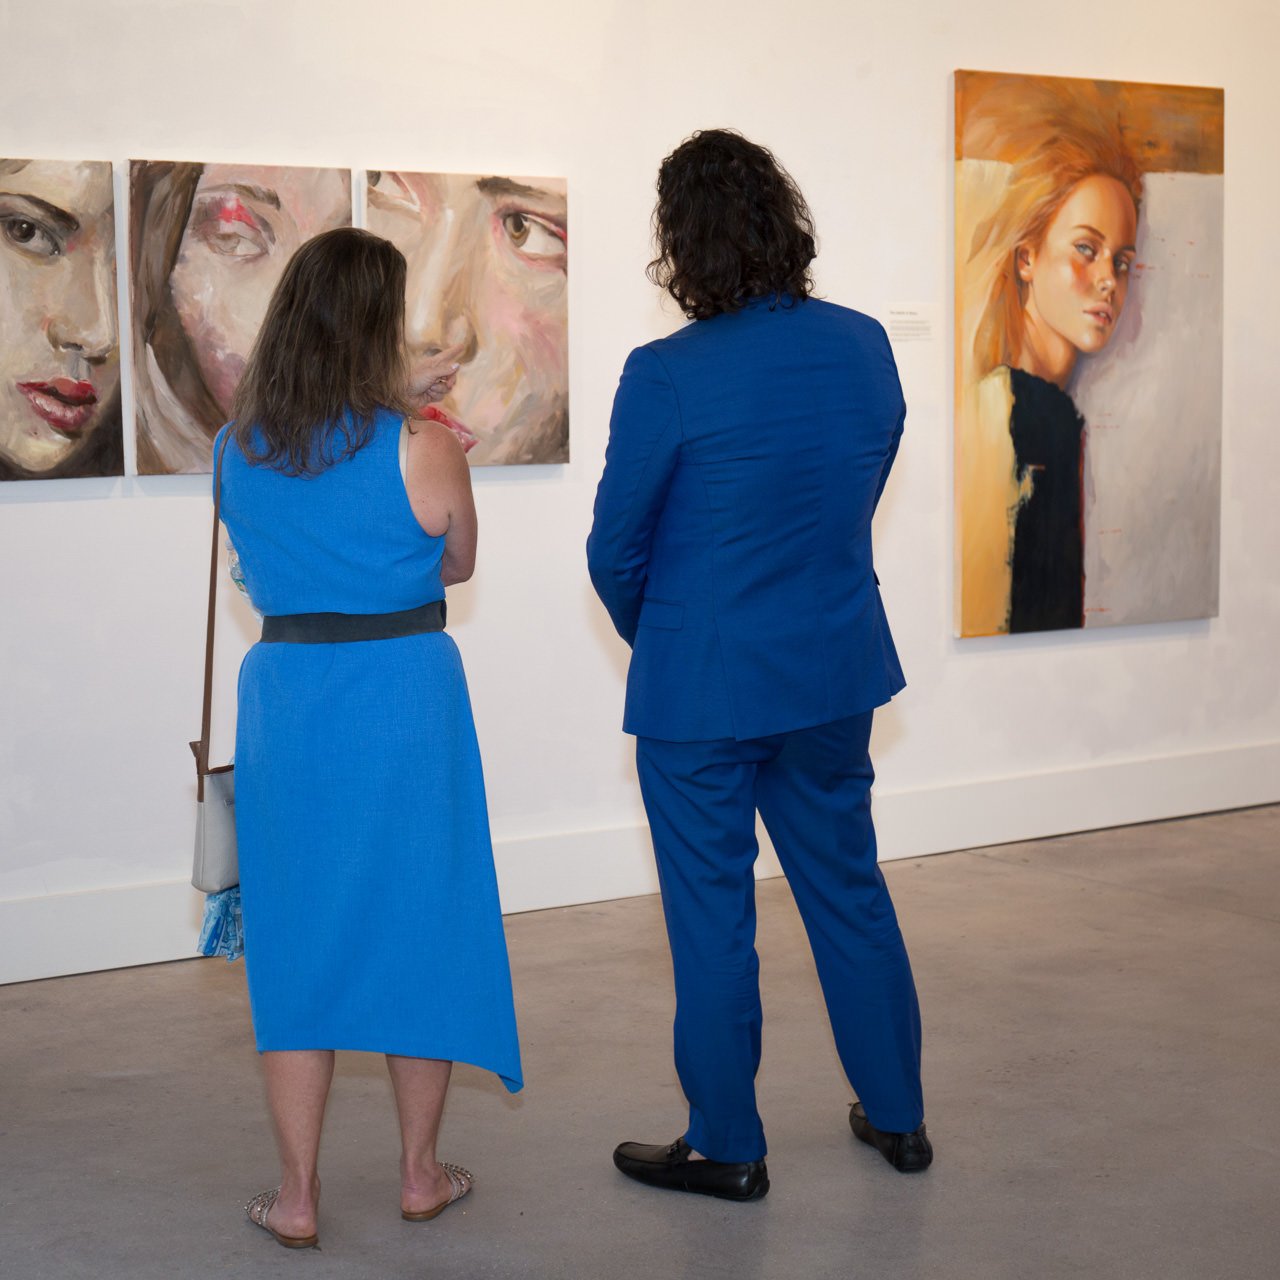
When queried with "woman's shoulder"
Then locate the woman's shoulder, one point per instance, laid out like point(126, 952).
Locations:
point(433, 434)
point(432, 449)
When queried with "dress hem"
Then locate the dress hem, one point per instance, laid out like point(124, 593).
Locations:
point(513, 1083)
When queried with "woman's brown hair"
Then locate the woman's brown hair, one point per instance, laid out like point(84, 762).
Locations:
point(329, 355)
point(160, 197)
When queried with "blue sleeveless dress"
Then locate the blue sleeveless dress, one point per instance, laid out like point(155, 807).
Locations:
point(371, 914)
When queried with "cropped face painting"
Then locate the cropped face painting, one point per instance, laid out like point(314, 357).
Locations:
point(208, 243)
point(1089, 250)
point(488, 271)
point(59, 345)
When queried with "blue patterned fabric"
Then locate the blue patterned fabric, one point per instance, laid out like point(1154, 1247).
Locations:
point(371, 911)
point(222, 930)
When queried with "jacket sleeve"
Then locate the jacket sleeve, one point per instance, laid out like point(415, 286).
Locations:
point(891, 455)
point(897, 430)
point(644, 446)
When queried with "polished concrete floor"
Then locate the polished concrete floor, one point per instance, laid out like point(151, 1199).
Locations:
point(1102, 1075)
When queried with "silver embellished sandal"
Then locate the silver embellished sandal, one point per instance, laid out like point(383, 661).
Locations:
point(260, 1206)
point(460, 1181)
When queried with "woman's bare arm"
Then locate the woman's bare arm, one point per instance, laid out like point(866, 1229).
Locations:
point(438, 482)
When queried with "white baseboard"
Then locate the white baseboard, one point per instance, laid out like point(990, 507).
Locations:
point(45, 937)
point(571, 867)
point(1031, 806)
point(65, 933)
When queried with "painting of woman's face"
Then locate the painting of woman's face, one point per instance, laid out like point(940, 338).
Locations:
point(1077, 278)
point(59, 348)
point(212, 242)
point(1089, 308)
point(488, 263)
point(244, 225)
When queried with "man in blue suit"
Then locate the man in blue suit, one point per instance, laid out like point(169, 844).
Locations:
point(732, 548)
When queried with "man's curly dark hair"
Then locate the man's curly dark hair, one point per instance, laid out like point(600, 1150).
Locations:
point(730, 225)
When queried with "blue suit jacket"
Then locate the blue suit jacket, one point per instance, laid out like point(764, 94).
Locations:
point(732, 535)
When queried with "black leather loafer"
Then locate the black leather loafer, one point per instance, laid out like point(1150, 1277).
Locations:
point(907, 1152)
point(671, 1168)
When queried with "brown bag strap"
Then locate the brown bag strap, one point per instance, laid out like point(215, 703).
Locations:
point(201, 749)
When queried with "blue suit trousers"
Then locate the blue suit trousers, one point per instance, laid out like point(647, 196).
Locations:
point(812, 789)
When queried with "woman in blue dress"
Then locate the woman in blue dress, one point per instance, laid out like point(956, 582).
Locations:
point(371, 914)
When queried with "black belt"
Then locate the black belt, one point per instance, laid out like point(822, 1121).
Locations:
point(341, 628)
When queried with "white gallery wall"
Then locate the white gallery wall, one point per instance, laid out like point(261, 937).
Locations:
point(102, 581)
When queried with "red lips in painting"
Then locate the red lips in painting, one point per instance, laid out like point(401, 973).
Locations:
point(64, 403)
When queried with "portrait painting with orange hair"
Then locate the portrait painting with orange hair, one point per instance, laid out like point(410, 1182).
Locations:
point(1089, 220)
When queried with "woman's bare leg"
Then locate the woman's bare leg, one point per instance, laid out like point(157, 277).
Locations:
point(297, 1089)
point(420, 1085)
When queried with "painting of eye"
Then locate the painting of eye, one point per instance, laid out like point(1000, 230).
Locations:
point(534, 238)
point(32, 236)
point(227, 228)
point(1089, 226)
point(389, 190)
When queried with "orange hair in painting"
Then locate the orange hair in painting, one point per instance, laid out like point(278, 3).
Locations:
point(1057, 141)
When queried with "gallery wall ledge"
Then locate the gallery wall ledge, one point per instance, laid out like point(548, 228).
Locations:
point(53, 935)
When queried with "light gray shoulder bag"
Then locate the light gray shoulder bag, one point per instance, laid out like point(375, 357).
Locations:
point(216, 865)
